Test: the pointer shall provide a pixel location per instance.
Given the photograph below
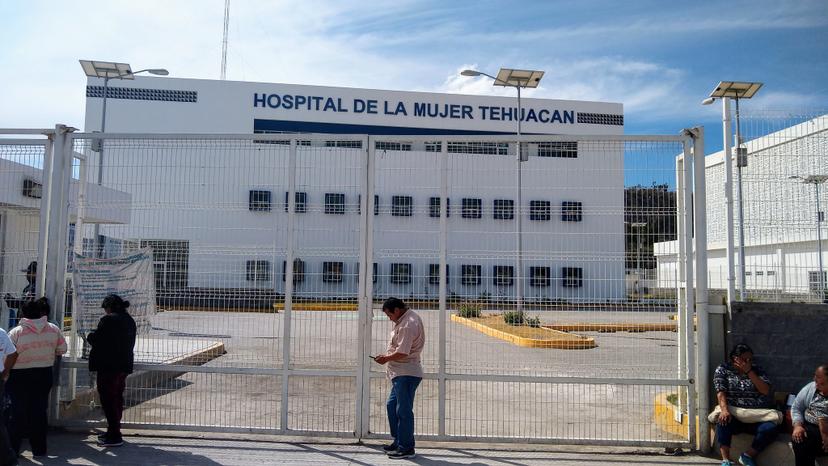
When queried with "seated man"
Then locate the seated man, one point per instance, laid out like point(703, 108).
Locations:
point(809, 414)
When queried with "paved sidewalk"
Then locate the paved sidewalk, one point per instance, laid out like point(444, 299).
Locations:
point(72, 448)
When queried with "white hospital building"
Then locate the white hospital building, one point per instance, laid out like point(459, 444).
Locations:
point(214, 210)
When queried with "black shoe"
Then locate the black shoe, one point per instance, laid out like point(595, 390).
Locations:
point(390, 448)
point(400, 455)
point(101, 437)
point(109, 443)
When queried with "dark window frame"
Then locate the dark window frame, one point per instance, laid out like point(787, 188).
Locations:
point(298, 270)
point(400, 273)
point(434, 274)
point(300, 201)
point(335, 203)
point(434, 207)
point(330, 274)
point(472, 207)
point(500, 277)
point(572, 277)
point(572, 211)
point(503, 209)
point(540, 280)
point(258, 271)
point(540, 210)
point(402, 206)
point(260, 200)
point(471, 274)
point(558, 149)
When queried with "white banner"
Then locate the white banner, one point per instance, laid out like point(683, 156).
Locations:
point(131, 277)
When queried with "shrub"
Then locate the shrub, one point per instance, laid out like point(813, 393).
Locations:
point(533, 322)
point(469, 310)
point(514, 317)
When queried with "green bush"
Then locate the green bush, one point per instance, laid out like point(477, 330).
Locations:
point(469, 310)
point(533, 322)
point(514, 317)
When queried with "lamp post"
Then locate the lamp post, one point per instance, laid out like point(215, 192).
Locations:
point(816, 180)
point(734, 90)
point(518, 79)
point(107, 71)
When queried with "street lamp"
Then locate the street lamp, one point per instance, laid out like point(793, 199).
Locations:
point(638, 226)
point(816, 180)
point(724, 91)
point(517, 79)
point(109, 70)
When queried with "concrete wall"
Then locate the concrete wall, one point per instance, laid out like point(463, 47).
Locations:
point(789, 340)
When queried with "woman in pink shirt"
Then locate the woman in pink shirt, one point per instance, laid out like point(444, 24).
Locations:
point(38, 342)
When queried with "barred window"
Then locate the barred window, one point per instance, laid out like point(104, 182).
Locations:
point(374, 275)
point(539, 276)
point(504, 209)
point(571, 211)
point(482, 148)
point(332, 272)
point(540, 210)
point(400, 273)
point(334, 203)
point(503, 275)
point(258, 271)
point(301, 200)
point(563, 149)
point(434, 207)
point(384, 145)
point(259, 201)
point(298, 270)
point(402, 206)
point(470, 274)
point(434, 274)
point(344, 144)
point(472, 208)
point(359, 204)
point(573, 277)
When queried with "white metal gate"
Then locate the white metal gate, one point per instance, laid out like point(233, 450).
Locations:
point(278, 250)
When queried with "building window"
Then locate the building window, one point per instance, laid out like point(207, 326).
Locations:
point(573, 277)
point(332, 271)
point(814, 283)
point(401, 146)
point(539, 276)
point(571, 211)
point(760, 273)
point(376, 204)
point(504, 209)
point(564, 149)
point(400, 273)
point(259, 201)
point(434, 274)
point(258, 271)
point(540, 210)
point(472, 208)
point(771, 272)
point(334, 203)
point(434, 207)
point(298, 270)
point(301, 200)
point(402, 206)
point(374, 276)
point(344, 144)
point(482, 148)
point(470, 274)
point(503, 275)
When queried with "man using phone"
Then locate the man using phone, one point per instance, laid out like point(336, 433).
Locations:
point(403, 368)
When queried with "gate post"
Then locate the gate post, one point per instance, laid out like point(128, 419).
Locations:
point(689, 296)
point(443, 308)
point(702, 318)
point(365, 291)
point(289, 257)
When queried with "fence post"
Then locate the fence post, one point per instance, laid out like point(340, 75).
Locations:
point(688, 292)
point(702, 317)
point(443, 277)
point(289, 272)
point(365, 309)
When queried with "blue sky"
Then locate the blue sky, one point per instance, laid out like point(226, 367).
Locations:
point(658, 58)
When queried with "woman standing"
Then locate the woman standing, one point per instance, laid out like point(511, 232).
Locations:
point(740, 383)
point(112, 357)
point(38, 342)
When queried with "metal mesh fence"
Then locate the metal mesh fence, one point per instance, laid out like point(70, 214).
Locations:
point(782, 205)
point(543, 331)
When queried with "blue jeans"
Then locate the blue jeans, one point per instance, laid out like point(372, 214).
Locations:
point(400, 408)
point(764, 433)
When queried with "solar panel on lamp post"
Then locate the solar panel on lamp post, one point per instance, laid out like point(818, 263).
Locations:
point(109, 70)
point(724, 91)
point(518, 79)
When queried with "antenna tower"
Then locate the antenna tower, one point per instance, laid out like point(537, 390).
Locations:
point(224, 40)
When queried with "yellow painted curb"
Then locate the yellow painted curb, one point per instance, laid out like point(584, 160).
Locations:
point(318, 307)
point(557, 340)
point(614, 327)
point(664, 415)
